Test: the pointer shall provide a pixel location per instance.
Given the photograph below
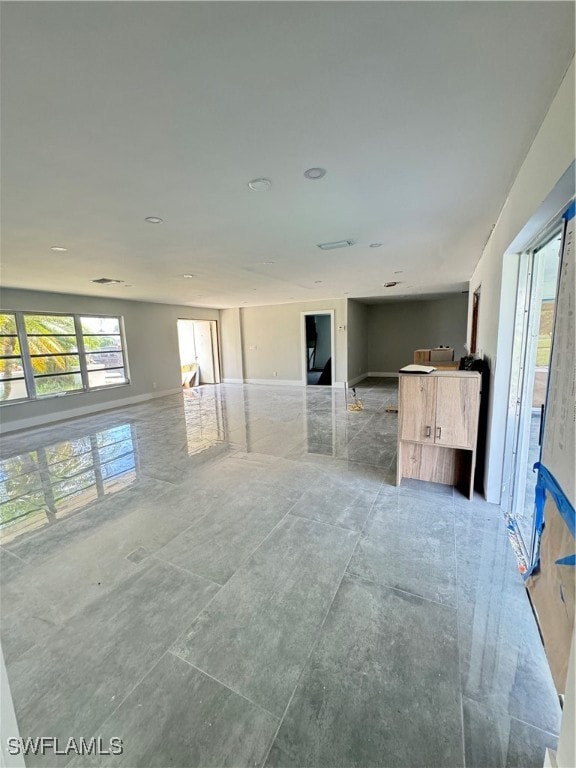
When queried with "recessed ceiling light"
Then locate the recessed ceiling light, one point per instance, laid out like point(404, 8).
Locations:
point(315, 173)
point(187, 276)
point(106, 281)
point(336, 244)
point(154, 220)
point(375, 245)
point(58, 248)
point(389, 284)
point(260, 185)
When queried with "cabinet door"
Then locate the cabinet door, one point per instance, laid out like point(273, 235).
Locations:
point(457, 404)
point(417, 408)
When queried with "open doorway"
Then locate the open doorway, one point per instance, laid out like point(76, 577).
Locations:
point(475, 316)
point(533, 345)
point(318, 347)
point(199, 359)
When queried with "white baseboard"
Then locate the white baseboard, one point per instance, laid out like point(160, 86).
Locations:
point(384, 374)
point(232, 381)
point(356, 379)
point(276, 382)
point(86, 410)
point(289, 383)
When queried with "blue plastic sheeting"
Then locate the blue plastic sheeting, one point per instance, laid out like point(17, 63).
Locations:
point(568, 560)
point(546, 482)
point(571, 211)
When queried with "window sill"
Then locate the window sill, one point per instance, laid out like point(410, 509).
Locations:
point(55, 395)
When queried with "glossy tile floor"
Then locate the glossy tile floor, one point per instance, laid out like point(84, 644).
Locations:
point(229, 578)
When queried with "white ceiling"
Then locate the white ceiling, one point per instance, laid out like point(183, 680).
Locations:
point(421, 113)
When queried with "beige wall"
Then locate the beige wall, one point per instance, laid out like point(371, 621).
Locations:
point(231, 345)
point(547, 163)
point(265, 343)
point(357, 332)
point(272, 341)
point(397, 328)
point(151, 342)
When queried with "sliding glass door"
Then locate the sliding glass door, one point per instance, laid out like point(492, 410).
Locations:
point(538, 276)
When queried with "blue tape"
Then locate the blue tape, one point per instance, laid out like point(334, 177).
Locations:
point(571, 211)
point(547, 482)
point(568, 560)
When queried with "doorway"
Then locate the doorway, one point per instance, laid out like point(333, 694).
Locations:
point(475, 316)
point(318, 347)
point(198, 346)
point(538, 279)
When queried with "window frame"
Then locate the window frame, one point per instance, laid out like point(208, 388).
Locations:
point(21, 356)
point(29, 377)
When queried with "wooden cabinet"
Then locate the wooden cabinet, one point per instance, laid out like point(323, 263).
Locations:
point(438, 427)
point(417, 422)
point(434, 355)
point(457, 408)
point(421, 356)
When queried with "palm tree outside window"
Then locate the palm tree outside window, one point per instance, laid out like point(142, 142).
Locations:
point(50, 354)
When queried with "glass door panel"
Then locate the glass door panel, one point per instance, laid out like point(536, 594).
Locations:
point(536, 344)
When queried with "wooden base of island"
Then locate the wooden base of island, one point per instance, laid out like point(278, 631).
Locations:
point(438, 427)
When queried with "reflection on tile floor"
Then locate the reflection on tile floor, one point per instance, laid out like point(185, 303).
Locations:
point(230, 578)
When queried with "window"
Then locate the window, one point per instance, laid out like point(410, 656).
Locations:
point(51, 354)
point(12, 380)
point(53, 351)
point(103, 347)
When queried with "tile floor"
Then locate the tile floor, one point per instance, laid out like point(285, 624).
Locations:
point(230, 578)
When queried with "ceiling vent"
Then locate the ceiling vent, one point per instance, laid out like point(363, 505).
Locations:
point(337, 244)
point(315, 173)
point(106, 281)
point(260, 185)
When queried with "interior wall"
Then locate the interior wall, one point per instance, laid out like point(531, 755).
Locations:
point(545, 169)
point(357, 333)
point(272, 341)
point(397, 328)
point(151, 344)
point(231, 345)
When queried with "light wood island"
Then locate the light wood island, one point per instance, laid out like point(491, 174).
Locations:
point(438, 427)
